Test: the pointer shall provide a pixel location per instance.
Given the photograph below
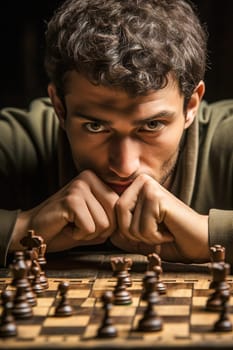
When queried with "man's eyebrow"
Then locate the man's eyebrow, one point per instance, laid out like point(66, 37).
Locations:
point(89, 117)
point(161, 114)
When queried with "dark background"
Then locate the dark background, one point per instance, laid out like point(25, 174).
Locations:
point(22, 26)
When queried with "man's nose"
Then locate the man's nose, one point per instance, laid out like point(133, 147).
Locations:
point(124, 156)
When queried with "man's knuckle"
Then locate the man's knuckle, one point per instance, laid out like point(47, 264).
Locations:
point(104, 225)
point(120, 206)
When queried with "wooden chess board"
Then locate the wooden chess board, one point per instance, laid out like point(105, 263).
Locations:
point(186, 323)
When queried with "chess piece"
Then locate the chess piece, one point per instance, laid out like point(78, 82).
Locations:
point(150, 289)
point(63, 308)
point(21, 307)
point(121, 266)
point(7, 326)
point(155, 264)
point(224, 324)
point(44, 280)
point(20, 262)
point(37, 285)
point(121, 294)
point(35, 249)
point(217, 253)
point(41, 254)
point(150, 322)
point(42, 262)
point(107, 328)
point(220, 286)
point(28, 255)
point(31, 240)
point(31, 296)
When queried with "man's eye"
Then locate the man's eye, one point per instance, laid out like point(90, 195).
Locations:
point(152, 125)
point(95, 127)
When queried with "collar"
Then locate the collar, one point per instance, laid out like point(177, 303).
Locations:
point(186, 168)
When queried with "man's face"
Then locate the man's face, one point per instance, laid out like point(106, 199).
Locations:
point(119, 137)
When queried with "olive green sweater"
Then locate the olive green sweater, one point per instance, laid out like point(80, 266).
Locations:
point(35, 161)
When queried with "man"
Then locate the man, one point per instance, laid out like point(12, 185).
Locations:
point(130, 158)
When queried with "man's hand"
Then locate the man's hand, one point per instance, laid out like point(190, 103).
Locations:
point(149, 216)
point(80, 213)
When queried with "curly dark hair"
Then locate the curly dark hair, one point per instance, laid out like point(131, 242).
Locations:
point(127, 44)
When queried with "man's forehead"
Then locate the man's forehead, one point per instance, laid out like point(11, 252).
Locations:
point(77, 84)
point(80, 88)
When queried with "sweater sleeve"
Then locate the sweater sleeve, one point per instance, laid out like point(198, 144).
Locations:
point(28, 163)
point(7, 219)
point(221, 231)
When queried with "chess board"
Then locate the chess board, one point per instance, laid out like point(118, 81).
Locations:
point(186, 323)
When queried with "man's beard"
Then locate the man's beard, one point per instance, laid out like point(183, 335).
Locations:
point(168, 170)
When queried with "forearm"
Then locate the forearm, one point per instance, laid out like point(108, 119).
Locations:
point(190, 231)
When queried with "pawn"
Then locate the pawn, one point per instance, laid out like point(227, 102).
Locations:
point(63, 308)
point(20, 272)
point(150, 322)
point(22, 308)
point(121, 294)
point(7, 325)
point(107, 328)
point(150, 287)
